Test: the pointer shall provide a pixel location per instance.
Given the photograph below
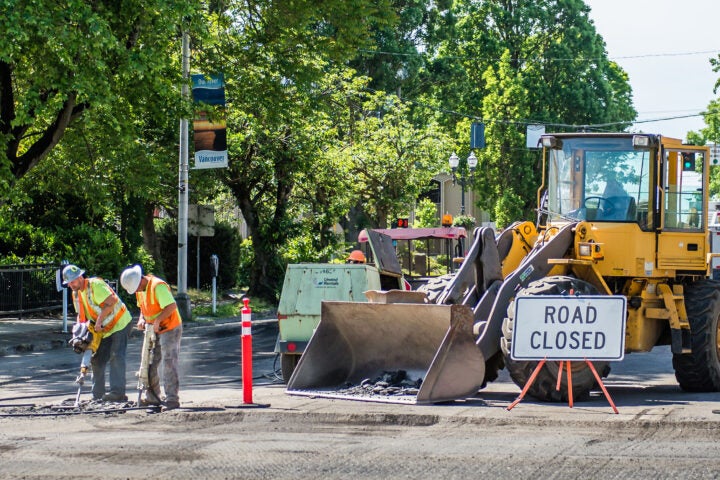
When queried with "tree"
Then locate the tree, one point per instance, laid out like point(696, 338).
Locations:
point(276, 58)
point(391, 160)
point(511, 63)
point(710, 134)
point(395, 65)
point(60, 59)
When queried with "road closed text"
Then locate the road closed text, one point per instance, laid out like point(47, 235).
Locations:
point(569, 328)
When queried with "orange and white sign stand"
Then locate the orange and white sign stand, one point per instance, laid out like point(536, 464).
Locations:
point(563, 364)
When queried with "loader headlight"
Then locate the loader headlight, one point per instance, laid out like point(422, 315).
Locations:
point(549, 141)
point(590, 251)
point(642, 141)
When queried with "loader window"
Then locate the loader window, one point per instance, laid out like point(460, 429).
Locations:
point(684, 190)
point(600, 179)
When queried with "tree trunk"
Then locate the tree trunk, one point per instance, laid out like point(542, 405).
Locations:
point(150, 240)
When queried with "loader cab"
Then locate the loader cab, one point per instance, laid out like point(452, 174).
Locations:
point(599, 178)
point(657, 183)
point(645, 192)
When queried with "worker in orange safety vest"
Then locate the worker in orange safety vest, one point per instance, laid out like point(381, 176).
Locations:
point(159, 311)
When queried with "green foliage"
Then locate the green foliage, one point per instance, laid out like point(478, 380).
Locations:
point(226, 244)
point(522, 62)
point(21, 242)
point(97, 251)
point(301, 249)
point(508, 209)
point(711, 133)
point(391, 160)
point(313, 144)
point(246, 260)
point(222, 310)
point(62, 59)
point(468, 222)
point(425, 214)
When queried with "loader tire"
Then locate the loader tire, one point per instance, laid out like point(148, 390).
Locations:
point(544, 386)
point(699, 371)
point(436, 286)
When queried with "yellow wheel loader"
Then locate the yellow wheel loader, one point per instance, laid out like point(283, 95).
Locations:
point(619, 214)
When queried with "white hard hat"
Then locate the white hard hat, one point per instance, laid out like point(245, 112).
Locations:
point(70, 273)
point(130, 278)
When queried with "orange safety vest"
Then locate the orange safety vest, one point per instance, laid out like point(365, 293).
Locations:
point(93, 310)
point(150, 308)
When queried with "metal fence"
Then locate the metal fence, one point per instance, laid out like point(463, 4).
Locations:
point(29, 288)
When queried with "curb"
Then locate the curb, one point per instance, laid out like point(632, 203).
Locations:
point(32, 347)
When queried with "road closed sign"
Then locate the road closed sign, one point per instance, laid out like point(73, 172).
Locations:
point(558, 327)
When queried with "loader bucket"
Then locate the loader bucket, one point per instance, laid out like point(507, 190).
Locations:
point(356, 343)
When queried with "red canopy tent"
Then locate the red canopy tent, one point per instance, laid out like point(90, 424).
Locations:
point(452, 233)
point(444, 233)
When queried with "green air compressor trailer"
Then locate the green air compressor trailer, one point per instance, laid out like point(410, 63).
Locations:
point(306, 285)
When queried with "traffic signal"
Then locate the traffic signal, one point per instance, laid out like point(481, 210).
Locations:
point(402, 223)
point(688, 162)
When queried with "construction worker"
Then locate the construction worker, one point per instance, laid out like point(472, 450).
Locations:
point(158, 311)
point(108, 317)
point(356, 256)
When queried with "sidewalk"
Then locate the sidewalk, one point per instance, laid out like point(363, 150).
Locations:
point(25, 335)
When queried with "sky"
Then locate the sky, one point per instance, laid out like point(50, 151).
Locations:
point(665, 47)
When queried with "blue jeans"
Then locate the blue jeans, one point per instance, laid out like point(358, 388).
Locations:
point(112, 350)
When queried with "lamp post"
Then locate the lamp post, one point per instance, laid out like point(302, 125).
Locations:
point(454, 162)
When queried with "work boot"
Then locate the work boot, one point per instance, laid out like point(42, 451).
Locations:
point(149, 399)
point(170, 406)
point(114, 397)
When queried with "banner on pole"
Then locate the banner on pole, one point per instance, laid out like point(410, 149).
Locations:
point(477, 135)
point(209, 125)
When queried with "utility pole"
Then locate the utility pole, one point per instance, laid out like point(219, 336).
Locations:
point(182, 299)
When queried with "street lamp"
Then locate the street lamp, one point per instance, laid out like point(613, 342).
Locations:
point(454, 162)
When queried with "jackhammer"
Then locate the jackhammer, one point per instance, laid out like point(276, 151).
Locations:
point(146, 359)
point(80, 380)
point(85, 342)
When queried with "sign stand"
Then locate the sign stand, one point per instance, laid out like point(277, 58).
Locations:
point(566, 364)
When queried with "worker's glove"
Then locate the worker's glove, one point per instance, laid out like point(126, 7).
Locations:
point(81, 339)
point(80, 380)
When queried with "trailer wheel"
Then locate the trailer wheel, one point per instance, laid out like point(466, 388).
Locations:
point(544, 386)
point(699, 371)
point(288, 362)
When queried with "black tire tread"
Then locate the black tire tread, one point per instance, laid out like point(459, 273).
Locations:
point(699, 371)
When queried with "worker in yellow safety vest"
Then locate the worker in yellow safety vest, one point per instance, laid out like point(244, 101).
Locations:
point(96, 302)
point(158, 311)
